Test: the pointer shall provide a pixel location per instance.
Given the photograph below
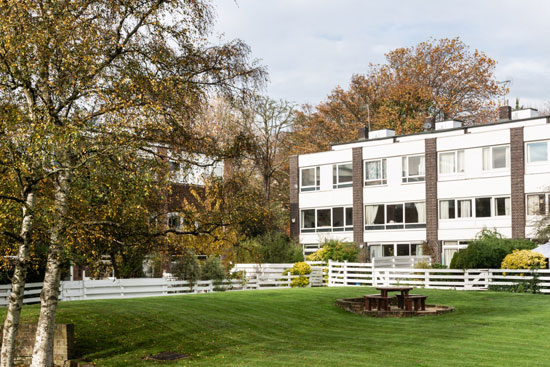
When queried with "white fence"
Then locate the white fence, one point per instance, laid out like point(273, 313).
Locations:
point(270, 276)
point(364, 274)
point(400, 261)
point(266, 276)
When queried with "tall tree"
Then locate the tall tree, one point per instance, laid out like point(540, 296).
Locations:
point(97, 75)
point(267, 121)
point(440, 78)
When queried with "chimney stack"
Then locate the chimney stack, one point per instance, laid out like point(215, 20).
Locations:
point(504, 113)
point(429, 123)
point(363, 133)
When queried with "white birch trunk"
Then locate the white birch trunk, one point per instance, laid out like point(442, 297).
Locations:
point(42, 355)
point(15, 301)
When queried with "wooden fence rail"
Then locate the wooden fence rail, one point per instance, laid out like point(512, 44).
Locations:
point(271, 276)
point(365, 274)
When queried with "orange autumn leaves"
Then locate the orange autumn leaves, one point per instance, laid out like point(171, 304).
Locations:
point(441, 78)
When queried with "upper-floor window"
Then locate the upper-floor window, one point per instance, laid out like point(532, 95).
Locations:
point(336, 219)
point(175, 221)
point(413, 168)
point(450, 209)
point(537, 152)
point(395, 216)
point(451, 162)
point(462, 208)
point(375, 172)
point(496, 157)
point(342, 176)
point(310, 179)
point(536, 204)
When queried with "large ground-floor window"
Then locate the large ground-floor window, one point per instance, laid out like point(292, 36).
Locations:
point(450, 248)
point(394, 249)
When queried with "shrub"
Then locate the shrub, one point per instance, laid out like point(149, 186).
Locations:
point(487, 251)
point(301, 269)
point(187, 267)
point(271, 247)
point(335, 250)
point(523, 259)
point(214, 270)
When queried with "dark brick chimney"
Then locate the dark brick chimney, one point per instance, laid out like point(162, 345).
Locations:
point(363, 133)
point(429, 123)
point(504, 113)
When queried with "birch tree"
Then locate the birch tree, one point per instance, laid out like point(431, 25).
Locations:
point(98, 74)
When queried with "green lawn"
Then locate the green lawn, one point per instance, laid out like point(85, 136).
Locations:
point(302, 327)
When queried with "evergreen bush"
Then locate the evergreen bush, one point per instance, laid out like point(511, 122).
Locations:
point(488, 250)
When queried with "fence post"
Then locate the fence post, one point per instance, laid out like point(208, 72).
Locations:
point(466, 279)
point(329, 280)
point(345, 272)
point(427, 278)
point(288, 279)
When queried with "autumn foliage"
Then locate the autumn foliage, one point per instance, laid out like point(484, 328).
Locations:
point(441, 78)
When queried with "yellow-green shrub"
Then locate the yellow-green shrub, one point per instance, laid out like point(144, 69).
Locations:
point(523, 259)
point(301, 269)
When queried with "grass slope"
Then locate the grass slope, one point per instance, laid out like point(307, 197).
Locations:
point(301, 327)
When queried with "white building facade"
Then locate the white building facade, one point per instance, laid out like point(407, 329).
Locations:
point(440, 187)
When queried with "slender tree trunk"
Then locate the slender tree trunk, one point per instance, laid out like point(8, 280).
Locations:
point(15, 301)
point(42, 355)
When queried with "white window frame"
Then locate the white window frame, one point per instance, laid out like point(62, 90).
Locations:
point(317, 184)
point(378, 181)
point(546, 202)
point(495, 211)
point(455, 160)
point(394, 246)
point(490, 150)
point(336, 176)
point(406, 177)
point(528, 155)
point(346, 228)
point(397, 225)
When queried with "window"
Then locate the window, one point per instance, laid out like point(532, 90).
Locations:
point(451, 209)
point(175, 221)
point(394, 249)
point(323, 220)
point(342, 176)
point(451, 162)
point(310, 179)
point(502, 206)
point(413, 168)
point(308, 220)
point(375, 172)
point(536, 204)
point(327, 219)
point(342, 219)
point(446, 209)
point(395, 216)
point(496, 157)
point(483, 207)
point(388, 250)
point(375, 217)
point(464, 208)
point(537, 152)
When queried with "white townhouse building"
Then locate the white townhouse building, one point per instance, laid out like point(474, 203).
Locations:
point(442, 186)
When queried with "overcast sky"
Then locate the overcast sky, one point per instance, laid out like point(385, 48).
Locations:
point(311, 46)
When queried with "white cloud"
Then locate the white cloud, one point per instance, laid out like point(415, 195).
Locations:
point(311, 46)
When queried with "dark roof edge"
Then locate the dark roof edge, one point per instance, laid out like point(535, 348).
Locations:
point(443, 130)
